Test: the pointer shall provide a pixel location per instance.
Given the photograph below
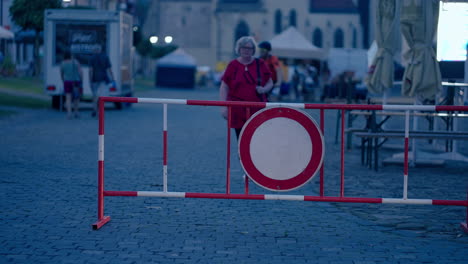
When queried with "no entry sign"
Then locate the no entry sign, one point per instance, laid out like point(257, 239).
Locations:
point(281, 148)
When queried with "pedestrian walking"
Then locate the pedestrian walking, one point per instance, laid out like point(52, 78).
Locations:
point(100, 75)
point(272, 63)
point(71, 74)
point(246, 79)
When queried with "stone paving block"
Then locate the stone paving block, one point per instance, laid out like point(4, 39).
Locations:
point(203, 230)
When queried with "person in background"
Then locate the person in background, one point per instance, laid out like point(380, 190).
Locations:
point(100, 75)
point(71, 74)
point(241, 82)
point(272, 63)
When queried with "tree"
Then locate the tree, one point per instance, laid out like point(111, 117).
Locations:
point(29, 14)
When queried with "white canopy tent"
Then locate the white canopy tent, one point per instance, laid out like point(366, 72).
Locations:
point(6, 34)
point(177, 58)
point(176, 69)
point(292, 44)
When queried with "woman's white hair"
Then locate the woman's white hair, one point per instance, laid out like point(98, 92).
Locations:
point(244, 40)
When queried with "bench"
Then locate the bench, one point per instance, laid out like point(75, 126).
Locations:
point(370, 141)
point(374, 125)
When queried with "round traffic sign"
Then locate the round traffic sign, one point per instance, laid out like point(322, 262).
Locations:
point(281, 148)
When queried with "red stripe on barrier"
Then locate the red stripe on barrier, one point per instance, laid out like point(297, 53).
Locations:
point(164, 147)
point(344, 107)
point(101, 116)
point(450, 202)
point(119, 99)
point(322, 170)
point(342, 199)
point(228, 153)
point(120, 193)
point(226, 196)
point(343, 115)
point(225, 103)
point(100, 189)
point(451, 108)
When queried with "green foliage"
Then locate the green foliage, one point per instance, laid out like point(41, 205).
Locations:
point(137, 37)
point(29, 14)
point(7, 68)
point(23, 84)
point(160, 51)
point(144, 47)
point(22, 101)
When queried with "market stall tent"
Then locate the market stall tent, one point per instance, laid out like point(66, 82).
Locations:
point(292, 44)
point(177, 69)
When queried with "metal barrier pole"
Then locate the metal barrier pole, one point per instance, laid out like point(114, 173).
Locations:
point(322, 171)
point(465, 225)
point(342, 152)
point(165, 147)
point(228, 162)
point(405, 166)
point(102, 192)
point(102, 220)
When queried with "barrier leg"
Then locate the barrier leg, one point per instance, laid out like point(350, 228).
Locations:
point(343, 112)
point(322, 128)
point(102, 220)
point(228, 153)
point(464, 226)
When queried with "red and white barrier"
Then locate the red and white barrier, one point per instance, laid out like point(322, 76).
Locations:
point(227, 195)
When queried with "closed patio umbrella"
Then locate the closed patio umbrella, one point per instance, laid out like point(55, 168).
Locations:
point(381, 70)
point(418, 24)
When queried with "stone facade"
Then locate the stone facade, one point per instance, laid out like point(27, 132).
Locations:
point(208, 29)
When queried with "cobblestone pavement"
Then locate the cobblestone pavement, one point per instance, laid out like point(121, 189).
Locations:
point(48, 168)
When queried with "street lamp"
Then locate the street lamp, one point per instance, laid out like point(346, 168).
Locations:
point(153, 39)
point(168, 39)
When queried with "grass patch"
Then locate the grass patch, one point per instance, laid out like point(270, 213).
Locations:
point(22, 101)
point(25, 84)
point(142, 85)
point(6, 113)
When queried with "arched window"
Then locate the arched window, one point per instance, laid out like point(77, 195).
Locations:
point(242, 29)
point(278, 21)
point(293, 18)
point(354, 43)
point(317, 37)
point(338, 38)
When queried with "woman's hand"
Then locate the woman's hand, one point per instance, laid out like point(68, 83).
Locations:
point(224, 112)
point(265, 89)
point(261, 89)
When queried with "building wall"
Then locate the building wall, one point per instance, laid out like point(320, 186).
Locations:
point(210, 37)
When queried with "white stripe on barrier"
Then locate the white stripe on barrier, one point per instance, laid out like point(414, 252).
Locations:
point(409, 107)
point(161, 101)
point(161, 194)
point(101, 148)
point(165, 117)
point(284, 197)
point(165, 178)
point(294, 105)
point(405, 186)
point(406, 201)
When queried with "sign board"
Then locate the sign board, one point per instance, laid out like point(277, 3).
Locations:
point(281, 148)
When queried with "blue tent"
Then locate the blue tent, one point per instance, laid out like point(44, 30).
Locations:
point(176, 69)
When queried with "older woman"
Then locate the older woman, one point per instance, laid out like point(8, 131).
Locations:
point(245, 79)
